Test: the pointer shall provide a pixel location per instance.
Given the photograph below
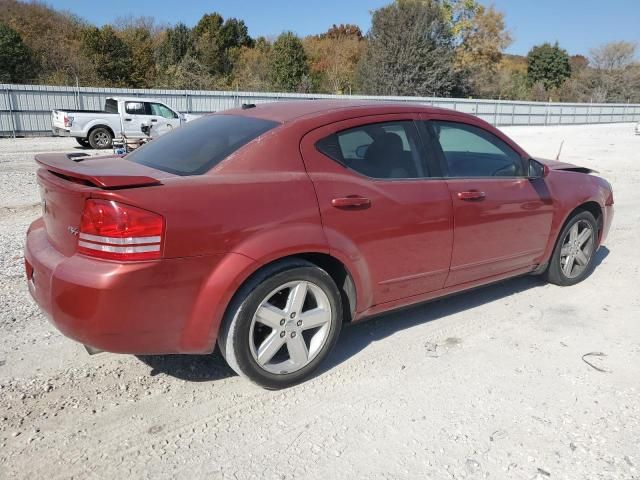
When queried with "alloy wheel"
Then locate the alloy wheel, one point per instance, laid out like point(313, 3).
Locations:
point(290, 327)
point(577, 249)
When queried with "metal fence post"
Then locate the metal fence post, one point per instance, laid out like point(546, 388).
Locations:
point(11, 113)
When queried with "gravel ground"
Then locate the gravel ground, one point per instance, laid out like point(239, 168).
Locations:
point(488, 384)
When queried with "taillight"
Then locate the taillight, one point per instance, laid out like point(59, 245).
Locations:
point(116, 231)
point(68, 121)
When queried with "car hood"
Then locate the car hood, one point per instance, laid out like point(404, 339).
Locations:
point(570, 167)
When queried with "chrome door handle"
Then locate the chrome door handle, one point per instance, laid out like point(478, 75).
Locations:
point(352, 201)
point(471, 195)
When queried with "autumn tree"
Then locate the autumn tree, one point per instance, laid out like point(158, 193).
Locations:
point(410, 51)
point(481, 37)
point(549, 65)
point(251, 68)
point(109, 54)
point(141, 36)
point(343, 31)
point(54, 39)
point(16, 60)
point(334, 56)
point(288, 63)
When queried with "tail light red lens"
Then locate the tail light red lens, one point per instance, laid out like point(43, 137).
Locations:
point(67, 121)
point(116, 231)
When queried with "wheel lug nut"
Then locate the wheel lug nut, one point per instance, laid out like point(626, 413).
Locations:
point(293, 334)
point(282, 334)
point(282, 321)
point(299, 323)
point(293, 315)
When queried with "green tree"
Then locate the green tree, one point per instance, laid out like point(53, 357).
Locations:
point(288, 63)
point(110, 55)
point(217, 42)
point(140, 36)
point(411, 51)
point(548, 64)
point(16, 61)
point(176, 43)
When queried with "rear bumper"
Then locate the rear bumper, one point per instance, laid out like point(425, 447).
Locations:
point(139, 307)
point(60, 132)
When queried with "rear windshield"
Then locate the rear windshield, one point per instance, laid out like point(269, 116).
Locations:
point(201, 144)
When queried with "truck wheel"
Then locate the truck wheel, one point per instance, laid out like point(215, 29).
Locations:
point(83, 142)
point(100, 138)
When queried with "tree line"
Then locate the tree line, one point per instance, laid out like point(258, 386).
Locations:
point(447, 48)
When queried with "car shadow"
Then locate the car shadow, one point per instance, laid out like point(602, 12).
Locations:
point(357, 337)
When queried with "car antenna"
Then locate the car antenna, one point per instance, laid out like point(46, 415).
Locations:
point(559, 150)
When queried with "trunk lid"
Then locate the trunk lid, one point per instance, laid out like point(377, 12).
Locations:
point(65, 181)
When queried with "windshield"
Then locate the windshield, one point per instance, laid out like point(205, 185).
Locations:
point(200, 145)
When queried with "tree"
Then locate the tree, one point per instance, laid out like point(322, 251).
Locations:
point(176, 43)
point(548, 64)
point(217, 42)
point(110, 55)
point(333, 58)
point(288, 63)
point(615, 77)
point(251, 68)
point(140, 36)
point(482, 37)
point(343, 31)
point(613, 56)
point(54, 38)
point(410, 51)
point(16, 60)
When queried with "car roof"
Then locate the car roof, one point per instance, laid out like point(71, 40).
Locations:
point(287, 111)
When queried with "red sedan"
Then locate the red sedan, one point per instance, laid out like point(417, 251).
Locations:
point(265, 228)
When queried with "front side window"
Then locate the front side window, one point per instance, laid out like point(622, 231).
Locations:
point(378, 150)
point(470, 151)
point(200, 145)
point(162, 111)
point(135, 108)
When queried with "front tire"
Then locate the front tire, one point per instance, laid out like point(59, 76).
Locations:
point(100, 138)
point(282, 324)
point(574, 253)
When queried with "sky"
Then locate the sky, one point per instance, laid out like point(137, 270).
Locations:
point(578, 25)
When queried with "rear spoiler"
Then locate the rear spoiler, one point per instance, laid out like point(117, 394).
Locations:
point(96, 171)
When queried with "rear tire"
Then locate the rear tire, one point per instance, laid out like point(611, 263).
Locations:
point(573, 256)
point(100, 138)
point(83, 142)
point(282, 324)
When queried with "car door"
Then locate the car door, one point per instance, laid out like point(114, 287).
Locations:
point(135, 115)
point(378, 205)
point(163, 119)
point(502, 218)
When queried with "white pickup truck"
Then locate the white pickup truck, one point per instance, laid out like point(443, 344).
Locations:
point(121, 116)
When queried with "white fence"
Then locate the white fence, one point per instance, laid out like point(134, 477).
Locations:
point(25, 110)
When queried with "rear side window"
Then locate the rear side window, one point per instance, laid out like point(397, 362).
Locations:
point(111, 105)
point(378, 150)
point(201, 144)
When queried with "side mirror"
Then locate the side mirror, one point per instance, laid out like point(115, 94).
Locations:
point(537, 169)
